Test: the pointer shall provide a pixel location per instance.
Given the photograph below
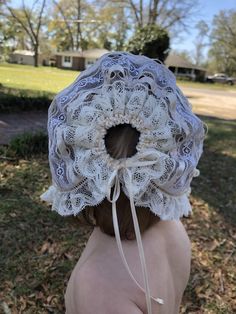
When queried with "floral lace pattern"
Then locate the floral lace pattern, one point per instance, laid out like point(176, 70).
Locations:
point(123, 89)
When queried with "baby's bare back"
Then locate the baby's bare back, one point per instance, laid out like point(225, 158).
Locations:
point(100, 283)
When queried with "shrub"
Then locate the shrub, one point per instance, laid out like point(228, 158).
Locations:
point(28, 145)
point(22, 100)
point(151, 41)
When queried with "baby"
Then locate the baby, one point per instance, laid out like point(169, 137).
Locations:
point(123, 149)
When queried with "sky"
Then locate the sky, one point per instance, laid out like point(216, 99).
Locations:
point(207, 10)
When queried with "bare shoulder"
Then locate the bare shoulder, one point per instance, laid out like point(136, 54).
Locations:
point(173, 232)
point(178, 250)
point(181, 237)
point(88, 292)
point(101, 285)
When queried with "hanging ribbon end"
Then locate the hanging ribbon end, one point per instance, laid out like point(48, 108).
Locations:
point(158, 300)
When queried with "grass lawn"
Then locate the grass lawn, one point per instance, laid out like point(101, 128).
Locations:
point(52, 80)
point(39, 248)
point(41, 79)
point(25, 87)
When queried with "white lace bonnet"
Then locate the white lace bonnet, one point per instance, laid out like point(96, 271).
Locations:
point(121, 88)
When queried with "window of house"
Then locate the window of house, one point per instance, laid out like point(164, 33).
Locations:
point(67, 61)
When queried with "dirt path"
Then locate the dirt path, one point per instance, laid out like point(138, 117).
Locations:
point(13, 124)
point(215, 103)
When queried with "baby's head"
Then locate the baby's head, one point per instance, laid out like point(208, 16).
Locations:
point(123, 127)
point(120, 143)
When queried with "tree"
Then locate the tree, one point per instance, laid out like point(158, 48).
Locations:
point(12, 35)
point(223, 42)
point(102, 24)
point(70, 12)
point(168, 14)
point(112, 24)
point(201, 42)
point(30, 20)
point(183, 54)
point(151, 41)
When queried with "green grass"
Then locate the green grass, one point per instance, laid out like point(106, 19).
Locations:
point(25, 87)
point(28, 144)
point(39, 248)
point(41, 79)
point(52, 80)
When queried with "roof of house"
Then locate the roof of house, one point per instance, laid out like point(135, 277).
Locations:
point(23, 52)
point(174, 60)
point(91, 53)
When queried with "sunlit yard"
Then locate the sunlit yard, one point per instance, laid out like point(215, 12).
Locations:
point(42, 79)
point(25, 87)
point(52, 80)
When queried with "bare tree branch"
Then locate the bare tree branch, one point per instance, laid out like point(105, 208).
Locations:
point(31, 30)
point(162, 7)
point(66, 23)
point(141, 11)
point(29, 19)
point(149, 10)
point(166, 13)
point(153, 12)
point(40, 18)
point(79, 34)
point(136, 12)
point(20, 22)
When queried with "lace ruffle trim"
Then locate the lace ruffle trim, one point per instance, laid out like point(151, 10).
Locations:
point(176, 206)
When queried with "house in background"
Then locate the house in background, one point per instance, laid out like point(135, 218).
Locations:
point(23, 57)
point(78, 60)
point(27, 57)
point(183, 69)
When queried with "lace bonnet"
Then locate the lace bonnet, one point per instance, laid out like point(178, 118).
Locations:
point(121, 88)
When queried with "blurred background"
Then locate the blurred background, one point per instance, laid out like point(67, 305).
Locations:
point(44, 45)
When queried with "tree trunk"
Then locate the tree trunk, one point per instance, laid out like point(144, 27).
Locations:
point(141, 12)
point(153, 12)
point(78, 35)
point(36, 55)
